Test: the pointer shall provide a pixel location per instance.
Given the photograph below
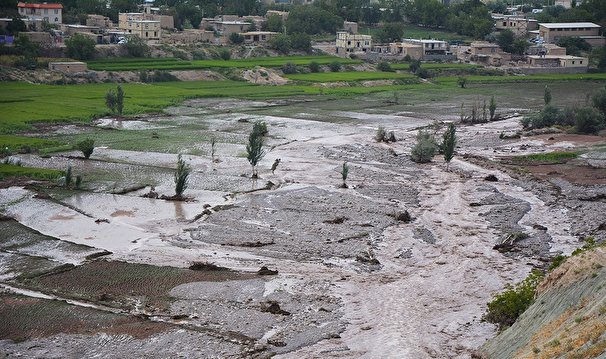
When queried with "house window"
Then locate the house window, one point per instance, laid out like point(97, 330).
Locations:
point(581, 62)
point(56, 19)
point(504, 23)
point(45, 11)
point(573, 62)
point(155, 34)
point(146, 34)
point(56, 11)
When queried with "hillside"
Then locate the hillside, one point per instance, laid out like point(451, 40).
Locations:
point(568, 318)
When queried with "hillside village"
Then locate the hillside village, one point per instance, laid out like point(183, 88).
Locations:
point(303, 179)
point(518, 40)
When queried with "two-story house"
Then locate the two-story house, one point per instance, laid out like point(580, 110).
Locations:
point(36, 14)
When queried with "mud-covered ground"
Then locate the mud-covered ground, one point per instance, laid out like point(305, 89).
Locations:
point(399, 263)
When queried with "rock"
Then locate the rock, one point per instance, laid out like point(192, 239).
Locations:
point(273, 308)
point(337, 220)
point(102, 220)
point(602, 227)
point(179, 316)
point(539, 227)
point(266, 271)
point(508, 244)
point(491, 178)
point(402, 216)
point(366, 258)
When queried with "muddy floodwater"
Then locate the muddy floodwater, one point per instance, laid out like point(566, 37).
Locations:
point(399, 263)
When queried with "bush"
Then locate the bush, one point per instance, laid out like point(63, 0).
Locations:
point(588, 120)
point(136, 47)
point(181, 176)
point(80, 47)
point(281, 43)
point(314, 66)
point(425, 148)
point(507, 306)
point(548, 117)
point(335, 66)
point(289, 68)
point(384, 66)
point(381, 134)
point(225, 54)
point(236, 38)
point(86, 147)
point(301, 42)
point(462, 81)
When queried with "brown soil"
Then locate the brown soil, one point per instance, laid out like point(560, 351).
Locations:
point(118, 283)
point(574, 269)
point(22, 318)
point(572, 172)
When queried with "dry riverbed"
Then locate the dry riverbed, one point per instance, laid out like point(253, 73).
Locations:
point(401, 263)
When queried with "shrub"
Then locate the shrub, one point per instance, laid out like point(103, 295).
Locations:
point(547, 95)
point(181, 176)
point(492, 107)
point(507, 306)
point(254, 150)
point(448, 143)
point(80, 47)
point(335, 66)
point(344, 173)
point(281, 43)
point(289, 68)
point(301, 42)
point(260, 127)
point(314, 66)
point(384, 66)
point(462, 81)
point(588, 120)
point(425, 148)
point(236, 38)
point(599, 99)
point(381, 135)
point(225, 54)
point(86, 147)
point(68, 176)
point(136, 47)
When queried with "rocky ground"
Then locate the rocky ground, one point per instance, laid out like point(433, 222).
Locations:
point(400, 263)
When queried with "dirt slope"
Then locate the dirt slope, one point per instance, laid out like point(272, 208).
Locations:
point(568, 318)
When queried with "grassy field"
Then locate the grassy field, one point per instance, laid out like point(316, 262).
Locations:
point(438, 66)
point(14, 143)
point(350, 76)
point(10, 170)
point(136, 64)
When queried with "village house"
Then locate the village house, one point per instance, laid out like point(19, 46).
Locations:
point(35, 14)
point(193, 36)
point(134, 23)
point(282, 14)
point(352, 43)
point(253, 37)
point(430, 49)
point(100, 21)
point(559, 61)
point(546, 49)
point(350, 27)
point(485, 53)
point(588, 31)
point(67, 67)
point(518, 25)
point(403, 49)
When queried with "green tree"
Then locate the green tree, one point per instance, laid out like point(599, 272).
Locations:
point(80, 47)
point(449, 141)
point(119, 99)
point(390, 32)
point(110, 100)
point(344, 174)
point(574, 45)
point(462, 81)
point(425, 148)
point(519, 47)
point(314, 66)
point(274, 23)
point(492, 107)
point(300, 41)
point(599, 101)
point(312, 20)
point(254, 150)
point(86, 146)
point(236, 38)
point(505, 40)
point(281, 43)
point(181, 175)
point(588, 120)
point(547, 95)
point(136, 47)
point(28, 49)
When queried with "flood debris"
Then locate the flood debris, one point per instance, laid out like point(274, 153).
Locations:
point(266, 271)
point(273, 307)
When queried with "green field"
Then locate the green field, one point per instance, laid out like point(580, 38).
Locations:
point(10, 170)
point(136, 64)
point(350, 76)
point(438, 66)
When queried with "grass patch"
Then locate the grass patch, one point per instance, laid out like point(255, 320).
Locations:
point(9, 170)
point(438, 66)
point(551, 157)
point(449, 80)
point(420, 32)
point(349, 76)
point(127, 64)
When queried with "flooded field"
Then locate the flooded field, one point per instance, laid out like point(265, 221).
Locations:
point(399, 263)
